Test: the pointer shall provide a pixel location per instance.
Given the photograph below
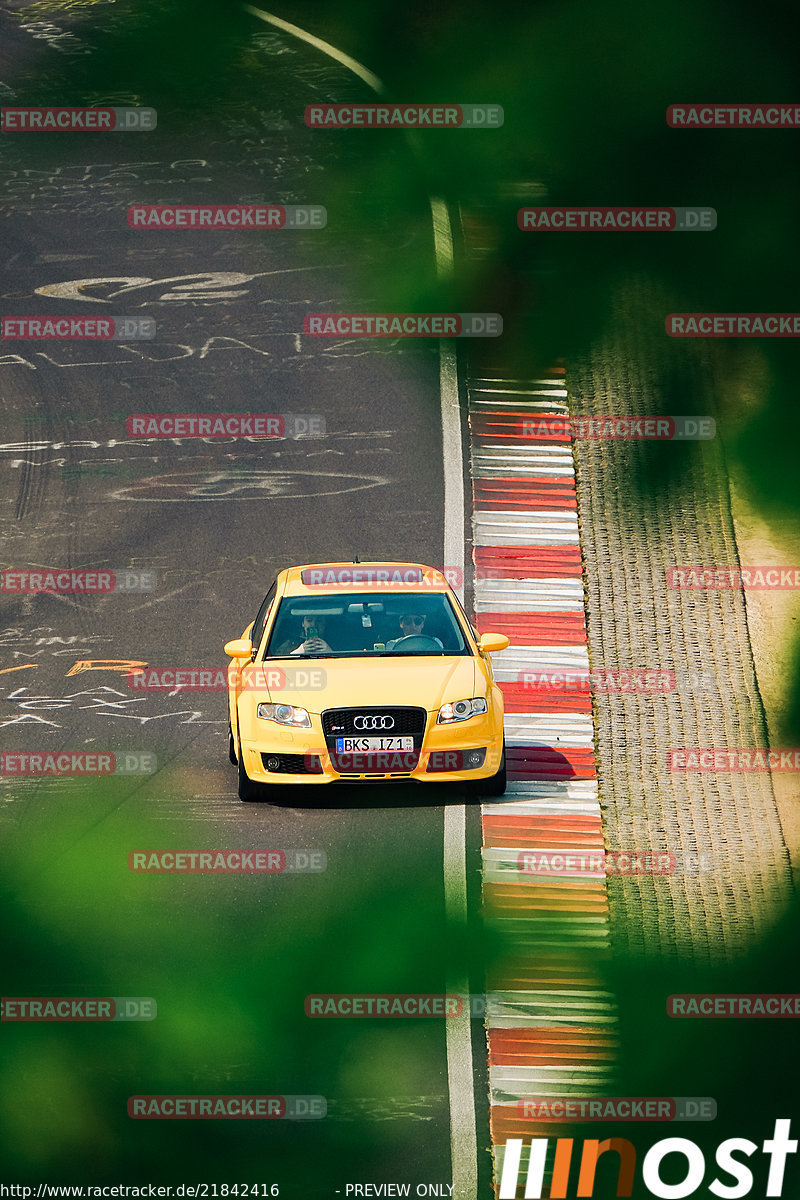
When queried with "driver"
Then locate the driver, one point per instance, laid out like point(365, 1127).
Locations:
point(412, 625)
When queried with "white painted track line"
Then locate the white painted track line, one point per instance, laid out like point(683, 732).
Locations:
point(458, 1031)
point(303, 35)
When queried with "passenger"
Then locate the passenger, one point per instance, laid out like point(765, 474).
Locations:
point(313, 641)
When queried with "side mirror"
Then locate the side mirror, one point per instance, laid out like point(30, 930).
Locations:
point(239, 648)
point(491, 643)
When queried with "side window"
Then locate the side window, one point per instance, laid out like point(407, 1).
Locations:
point(261, 618)
point(460, 606)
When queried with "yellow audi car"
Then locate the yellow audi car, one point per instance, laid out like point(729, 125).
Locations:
point(364, 672)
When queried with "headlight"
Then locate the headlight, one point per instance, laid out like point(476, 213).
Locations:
point(460, 710)
point(285, 714)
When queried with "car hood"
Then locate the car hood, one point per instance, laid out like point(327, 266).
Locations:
point(344, 683)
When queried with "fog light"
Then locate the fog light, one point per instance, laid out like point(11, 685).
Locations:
point(273, 764)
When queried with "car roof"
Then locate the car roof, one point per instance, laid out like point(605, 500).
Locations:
point(341, 578)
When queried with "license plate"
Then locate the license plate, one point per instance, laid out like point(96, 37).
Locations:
point(366, 745)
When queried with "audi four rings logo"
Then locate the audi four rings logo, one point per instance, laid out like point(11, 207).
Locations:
point(373, 723)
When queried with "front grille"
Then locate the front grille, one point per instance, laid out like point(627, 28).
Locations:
point(408, 722)
point(292, 764)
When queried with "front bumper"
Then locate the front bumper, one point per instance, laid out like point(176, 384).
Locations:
point(303, 757)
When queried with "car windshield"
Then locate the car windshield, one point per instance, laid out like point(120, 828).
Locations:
point(365, 625)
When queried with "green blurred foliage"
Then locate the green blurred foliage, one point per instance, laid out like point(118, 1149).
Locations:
point(230, 985)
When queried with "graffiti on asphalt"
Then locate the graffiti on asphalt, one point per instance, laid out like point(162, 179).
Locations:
point(55, 38)
point(102, 701)
point(289, 352)
point(140, 290)
point(202, 487)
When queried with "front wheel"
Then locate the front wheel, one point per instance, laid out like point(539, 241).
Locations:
point(231, 746)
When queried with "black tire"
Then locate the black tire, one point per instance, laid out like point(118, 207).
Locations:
point(231, 747)
point(495, 785)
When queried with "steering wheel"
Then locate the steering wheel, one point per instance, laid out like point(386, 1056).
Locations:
point(415, 641)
